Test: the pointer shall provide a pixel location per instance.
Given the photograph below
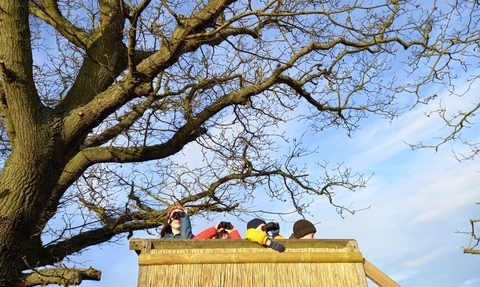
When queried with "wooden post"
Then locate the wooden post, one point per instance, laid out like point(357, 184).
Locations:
point(359, 266)
point(377, 276)
point(142, 247)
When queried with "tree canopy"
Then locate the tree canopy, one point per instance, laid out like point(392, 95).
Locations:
point(99, 98)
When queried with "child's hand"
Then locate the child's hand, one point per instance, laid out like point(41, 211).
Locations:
point(231, 229)
point(276, 246)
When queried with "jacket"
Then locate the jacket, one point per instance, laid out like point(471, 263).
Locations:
point(185, 230)
point(211, 232)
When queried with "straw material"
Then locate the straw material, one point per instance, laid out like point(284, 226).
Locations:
point(254, 274)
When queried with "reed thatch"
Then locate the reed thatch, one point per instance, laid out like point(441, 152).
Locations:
point(209, 263)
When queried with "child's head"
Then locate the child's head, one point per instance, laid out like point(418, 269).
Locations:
point(174, 214)
point(222, 234)
point(304, 229)
point(223, 229)
point(256, 223)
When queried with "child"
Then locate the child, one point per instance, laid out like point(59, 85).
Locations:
point(178, 224)
point(303, 229)
point(223, 230)
point(256, 233)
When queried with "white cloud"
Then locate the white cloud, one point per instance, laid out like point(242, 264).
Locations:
point(423, 260)
point(447, 195)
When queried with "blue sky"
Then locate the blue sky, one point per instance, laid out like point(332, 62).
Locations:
point(417, 200)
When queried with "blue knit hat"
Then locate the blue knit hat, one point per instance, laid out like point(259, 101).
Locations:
point(254, 223)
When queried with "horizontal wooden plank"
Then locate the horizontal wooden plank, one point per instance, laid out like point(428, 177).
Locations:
point(249, 257)
point(156, 243)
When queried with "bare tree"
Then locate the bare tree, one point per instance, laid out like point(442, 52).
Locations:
point(453, 59)
point(472, 247)
point(100, 98)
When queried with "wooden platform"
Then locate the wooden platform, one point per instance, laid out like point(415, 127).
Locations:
point(215, 263)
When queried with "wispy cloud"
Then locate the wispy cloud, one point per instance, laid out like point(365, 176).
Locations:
point(420, 262)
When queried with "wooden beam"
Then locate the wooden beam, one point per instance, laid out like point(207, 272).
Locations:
point(377, 276)
point(249, 257)
point(139, 244)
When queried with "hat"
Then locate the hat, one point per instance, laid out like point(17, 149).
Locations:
point(254, 223)
point(303, 227)
point(173, 208)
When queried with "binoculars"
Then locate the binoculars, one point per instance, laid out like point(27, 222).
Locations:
point(271, 226)
point(226, 225)
point(178, 214)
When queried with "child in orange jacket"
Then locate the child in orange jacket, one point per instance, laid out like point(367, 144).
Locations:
point(223, 230)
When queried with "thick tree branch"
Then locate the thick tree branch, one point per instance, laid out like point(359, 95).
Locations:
point(60, 276)
point(48, 11)
point(105, 59)
point(175, 45)
point(57, 251)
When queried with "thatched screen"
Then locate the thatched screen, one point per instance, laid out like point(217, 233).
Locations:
point(211, 263)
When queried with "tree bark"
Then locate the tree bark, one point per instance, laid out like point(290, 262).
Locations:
point(31, 170)
point(64, 276)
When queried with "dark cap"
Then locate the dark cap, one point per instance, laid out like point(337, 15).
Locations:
point(254, 223)
point(303, 227)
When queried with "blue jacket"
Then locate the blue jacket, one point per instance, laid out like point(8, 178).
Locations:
point(185, 230)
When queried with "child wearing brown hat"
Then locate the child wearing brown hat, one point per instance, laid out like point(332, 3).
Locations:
point(303, 229)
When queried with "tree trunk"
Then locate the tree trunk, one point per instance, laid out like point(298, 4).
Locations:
point(32, 168)
point(23, 191)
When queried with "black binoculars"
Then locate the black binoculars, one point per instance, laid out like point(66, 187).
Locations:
point(225, 224)
point(178, 214)
point(271, 226)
